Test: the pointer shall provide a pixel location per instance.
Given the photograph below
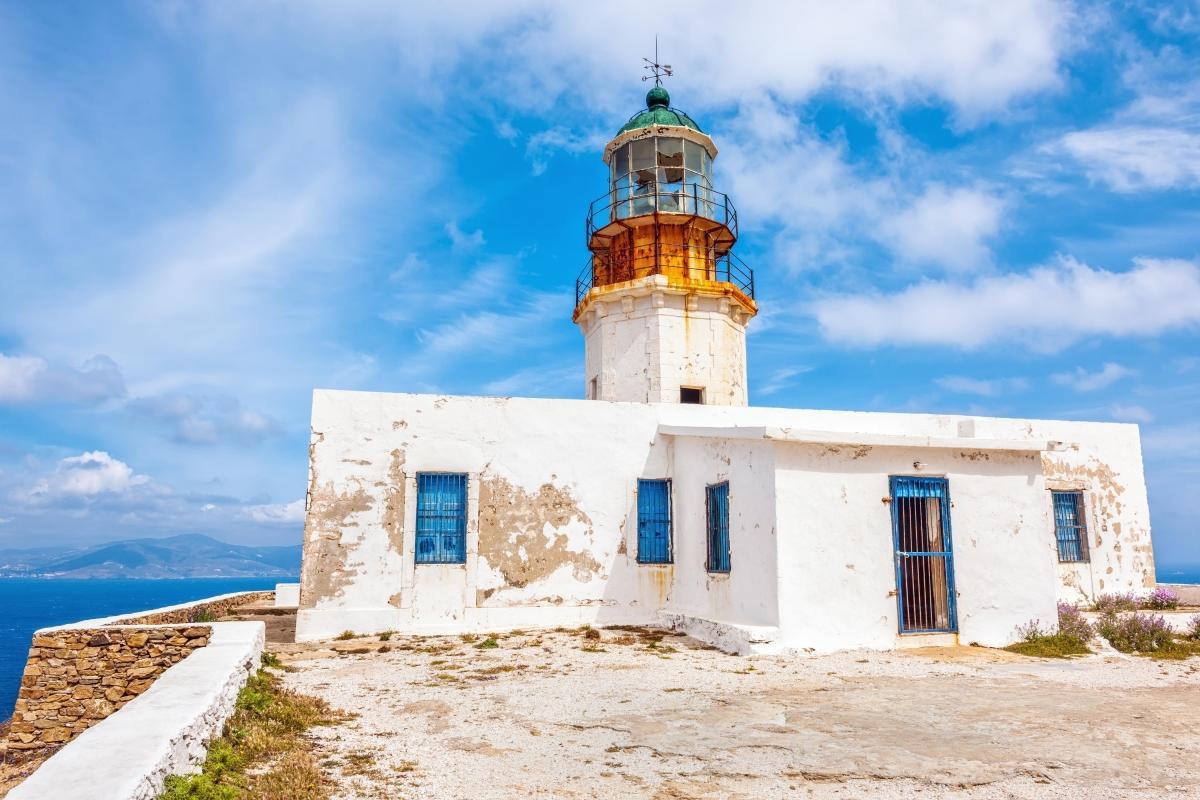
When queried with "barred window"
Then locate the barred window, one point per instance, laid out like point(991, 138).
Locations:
point(1070, 530)
point(717, 508)
point(441, 518)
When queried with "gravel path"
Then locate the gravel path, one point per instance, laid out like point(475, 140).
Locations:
point(638, 714)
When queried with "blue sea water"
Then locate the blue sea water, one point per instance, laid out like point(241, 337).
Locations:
point(1174, 574)
point(27, 604)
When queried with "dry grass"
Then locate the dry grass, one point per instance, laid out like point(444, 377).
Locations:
point(1056, 646)
point(262, 753)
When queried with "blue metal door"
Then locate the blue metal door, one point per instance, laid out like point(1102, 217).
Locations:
point(654, 521)
point(924, 559)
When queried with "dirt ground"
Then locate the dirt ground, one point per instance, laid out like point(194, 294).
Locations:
point(638, 714)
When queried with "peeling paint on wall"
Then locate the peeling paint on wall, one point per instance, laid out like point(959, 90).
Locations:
point(325, 573)
point(1104, 497)
point(520, 536)
point(393, 509)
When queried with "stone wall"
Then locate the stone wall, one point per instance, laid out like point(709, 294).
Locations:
point(76, 677)
point(200, 612)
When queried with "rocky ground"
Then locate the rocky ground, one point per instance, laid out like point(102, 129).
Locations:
point(635, 713)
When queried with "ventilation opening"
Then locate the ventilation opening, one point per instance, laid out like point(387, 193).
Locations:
point(594, 389)
point(690, 394)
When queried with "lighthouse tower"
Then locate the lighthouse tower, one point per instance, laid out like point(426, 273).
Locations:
point(663, 302)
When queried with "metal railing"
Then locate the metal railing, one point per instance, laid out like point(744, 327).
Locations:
point(602, 269)
point(661, 198)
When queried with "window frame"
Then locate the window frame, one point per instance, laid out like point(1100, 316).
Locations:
point(715, 527)
point(1080, 528)
point(669, 557)
point(439, 553)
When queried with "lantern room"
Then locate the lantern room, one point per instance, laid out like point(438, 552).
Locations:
point(663, 302)
point(662, 214)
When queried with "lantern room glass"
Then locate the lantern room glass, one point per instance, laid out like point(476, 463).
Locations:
point(664, 173)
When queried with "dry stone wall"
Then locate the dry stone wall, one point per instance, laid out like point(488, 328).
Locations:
point(75, 677)
point(200, 612)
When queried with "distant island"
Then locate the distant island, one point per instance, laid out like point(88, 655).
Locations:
point(184, 556)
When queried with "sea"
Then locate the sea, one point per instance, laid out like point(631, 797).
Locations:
point(27, 604)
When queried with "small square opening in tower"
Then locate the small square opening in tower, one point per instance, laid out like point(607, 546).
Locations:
point(691, 394)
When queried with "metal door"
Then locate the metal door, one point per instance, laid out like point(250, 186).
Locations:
point(925, 596)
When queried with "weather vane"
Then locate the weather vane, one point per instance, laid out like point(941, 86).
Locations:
point(657, 71)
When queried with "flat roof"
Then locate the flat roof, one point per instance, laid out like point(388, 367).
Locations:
point(807, 436)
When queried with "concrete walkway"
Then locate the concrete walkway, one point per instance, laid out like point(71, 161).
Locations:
point(556, 715)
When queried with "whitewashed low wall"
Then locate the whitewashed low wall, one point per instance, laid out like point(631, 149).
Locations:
point(165, 731)
point(287, 594)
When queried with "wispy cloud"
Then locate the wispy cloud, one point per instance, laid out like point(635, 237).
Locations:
point(1082, 380)
point(1154, 296)
point(29, 379)
point(985, 387)
point(1131, 413)
point(780, 379)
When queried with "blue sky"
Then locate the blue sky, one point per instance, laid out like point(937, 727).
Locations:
point(206, 210)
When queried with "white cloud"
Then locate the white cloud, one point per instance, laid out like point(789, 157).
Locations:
point(559, 139)
point(461, 241)
point(979, 56)
point(87, 475)
point(946, 226)
point(781, 172)
point(1131, 158)
point(28, 379)
point(1046, 308)
point(1130, 413)
point(985, 387)
point(277, 512)
point(1083, 381)
point(205, 418)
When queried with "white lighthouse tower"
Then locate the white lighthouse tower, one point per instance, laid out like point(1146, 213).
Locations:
point(664, 302)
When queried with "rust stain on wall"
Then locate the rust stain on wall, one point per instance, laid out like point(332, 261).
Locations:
point(513, 539)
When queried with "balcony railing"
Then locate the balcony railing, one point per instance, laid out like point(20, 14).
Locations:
point(661, 198)
point(603, 270)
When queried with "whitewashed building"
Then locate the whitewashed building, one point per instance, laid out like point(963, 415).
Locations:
point(665, 499)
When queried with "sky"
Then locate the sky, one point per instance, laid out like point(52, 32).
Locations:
point(209, 209)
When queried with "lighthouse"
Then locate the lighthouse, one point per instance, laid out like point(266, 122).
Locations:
point(663, 302)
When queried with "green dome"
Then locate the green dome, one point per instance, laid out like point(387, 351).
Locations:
point(659, 112)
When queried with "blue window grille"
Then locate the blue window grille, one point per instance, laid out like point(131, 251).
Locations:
point(717, 505)
point(1070, 530)
point(441, 518)
point(654, 521)
point(925, 596)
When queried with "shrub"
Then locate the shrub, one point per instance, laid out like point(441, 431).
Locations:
point(1070, 639)
point(203, 615)
point(1072, 624)
point(1193, 628)
point(383, 637)
point(345, 636)
point(1161, 599)
point(1108, 603)
point(1142, 633)
point(488, 644)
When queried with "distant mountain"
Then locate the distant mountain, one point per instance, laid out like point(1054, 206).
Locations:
point(185, 556)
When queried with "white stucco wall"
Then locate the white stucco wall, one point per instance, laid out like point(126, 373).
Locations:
point(646, 340)
point(552, 515)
